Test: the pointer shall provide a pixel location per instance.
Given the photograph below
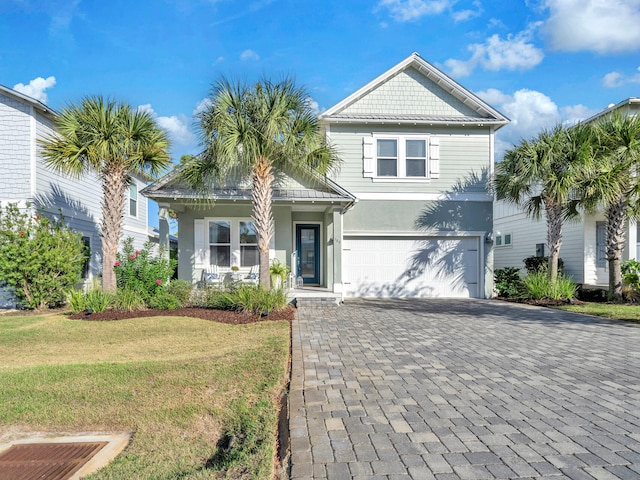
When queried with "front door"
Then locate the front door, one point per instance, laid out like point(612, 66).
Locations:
point(308, 247)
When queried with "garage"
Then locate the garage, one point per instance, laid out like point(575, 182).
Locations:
point(411, 266)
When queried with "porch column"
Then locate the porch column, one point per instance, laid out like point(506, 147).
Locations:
point(163, 227)
point(337, 250)
point(632, 240)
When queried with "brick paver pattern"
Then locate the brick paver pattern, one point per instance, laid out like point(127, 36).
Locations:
point(462, 389)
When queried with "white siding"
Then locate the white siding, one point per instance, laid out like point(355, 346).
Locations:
point(15, 148)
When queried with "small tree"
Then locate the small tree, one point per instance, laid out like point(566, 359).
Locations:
point(40, 257)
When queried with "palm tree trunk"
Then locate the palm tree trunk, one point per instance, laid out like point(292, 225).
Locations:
point(262, 178)
point(114, 182)
point(554, 239)
point(616, 237)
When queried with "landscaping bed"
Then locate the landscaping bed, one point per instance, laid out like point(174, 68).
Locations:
point(220, 316)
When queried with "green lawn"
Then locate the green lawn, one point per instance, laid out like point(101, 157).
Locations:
point(178, 384)
point(607, 310)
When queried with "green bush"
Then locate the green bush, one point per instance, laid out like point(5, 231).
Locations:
point(40, 257)
point(96, 300)
point(76, 301)
point(255, 299)
point(163, 300)
point(631, 273)
point(540, 264)
point(182, 289)
point(507, 282)
point(140, 271)
point(537, 286)
point(128, 301)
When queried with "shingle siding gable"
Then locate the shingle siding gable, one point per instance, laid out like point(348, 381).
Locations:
point(409, 93)
point(15, 148)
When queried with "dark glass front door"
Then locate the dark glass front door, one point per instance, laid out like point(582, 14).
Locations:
point(308, 247)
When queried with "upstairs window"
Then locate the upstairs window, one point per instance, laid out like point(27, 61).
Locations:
point(401, 157)
point(133, 199)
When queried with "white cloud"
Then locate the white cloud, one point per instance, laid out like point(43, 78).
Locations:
point(463, 15)
point(313, 105)
point(602, 26)
point(202, 106)
point(530, 112)
point(36, 88)
point(408, 10)
point(512, 53)
point(249, 55)
point(176, 125)
point(617, 79)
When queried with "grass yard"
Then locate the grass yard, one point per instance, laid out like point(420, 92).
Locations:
point(607, 310)
point(179, 384)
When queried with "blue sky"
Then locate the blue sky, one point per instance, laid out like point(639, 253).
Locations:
point(539, 62)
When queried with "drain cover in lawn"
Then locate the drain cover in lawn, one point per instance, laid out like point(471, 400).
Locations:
point(46, 461)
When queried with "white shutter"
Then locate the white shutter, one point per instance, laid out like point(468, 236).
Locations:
point(368, 157)
point(199, 249)
point(434, 157)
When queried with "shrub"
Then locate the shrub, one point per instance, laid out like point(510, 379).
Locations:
point(182, 290)
point(537, 286)
point(255, 299)
point(540, 264)
point(76, 301)
point(508, 282)
point(140, 271)
point(631, 273)
point(163, 300)
point(127, 300)
point(279, 273)
point(40, 257)
point(96, 300)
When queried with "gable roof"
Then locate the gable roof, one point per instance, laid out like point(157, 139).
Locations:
point(27, 99)
point(631, 103)
point(322, 189)
point(468, 108)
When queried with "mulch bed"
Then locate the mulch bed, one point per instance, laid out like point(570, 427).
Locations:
point(220, 316)
point(541, 303)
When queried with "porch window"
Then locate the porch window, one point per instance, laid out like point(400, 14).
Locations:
point(248, 245)
point(220, 243)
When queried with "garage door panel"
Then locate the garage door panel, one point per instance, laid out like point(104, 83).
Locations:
point(411, 267)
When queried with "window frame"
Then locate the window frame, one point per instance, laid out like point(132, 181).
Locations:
point(235, 245)
point(401, 161)
point(501, 240)
point(133, 201)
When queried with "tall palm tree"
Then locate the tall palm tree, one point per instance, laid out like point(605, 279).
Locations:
point(248, 131)
point(613, 182)
point(114, 141)
point(541, 175)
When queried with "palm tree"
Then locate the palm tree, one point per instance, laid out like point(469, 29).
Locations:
point(113, 141)
point(249, 131)
point(541, 174)
point(613, 183)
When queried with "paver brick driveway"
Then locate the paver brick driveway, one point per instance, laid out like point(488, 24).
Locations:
point(464, 389)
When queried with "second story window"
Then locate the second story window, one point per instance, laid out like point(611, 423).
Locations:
point(133, 199)
point(401, 157)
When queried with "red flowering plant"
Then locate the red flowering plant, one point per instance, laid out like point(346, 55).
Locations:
point(141, 271)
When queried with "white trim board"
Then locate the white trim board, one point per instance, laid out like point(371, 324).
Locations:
point(453, 197)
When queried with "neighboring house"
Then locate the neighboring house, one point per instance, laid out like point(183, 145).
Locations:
point(583, 249)
point(407, 214)
point(26, 180)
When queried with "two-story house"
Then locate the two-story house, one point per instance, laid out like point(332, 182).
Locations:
point(583, 249)
point(408, 214)
point(25, 180)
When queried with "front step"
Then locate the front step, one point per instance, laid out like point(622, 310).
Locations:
point(317, 302)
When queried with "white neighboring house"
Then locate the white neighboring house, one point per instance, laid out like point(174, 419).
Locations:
point(583, 249)
point(26, 180)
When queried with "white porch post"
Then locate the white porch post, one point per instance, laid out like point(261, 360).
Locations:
point(163, 227)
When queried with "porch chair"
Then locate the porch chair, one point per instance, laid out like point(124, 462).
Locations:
point(253, 276)
point(211, 276)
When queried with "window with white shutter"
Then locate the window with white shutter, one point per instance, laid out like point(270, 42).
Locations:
point(408, 158)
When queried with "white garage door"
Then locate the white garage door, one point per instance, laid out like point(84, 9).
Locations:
point(411, 267)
